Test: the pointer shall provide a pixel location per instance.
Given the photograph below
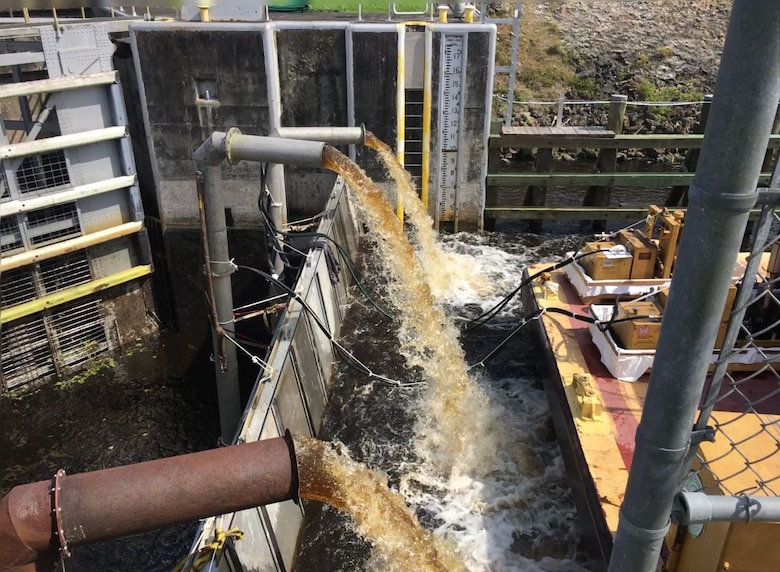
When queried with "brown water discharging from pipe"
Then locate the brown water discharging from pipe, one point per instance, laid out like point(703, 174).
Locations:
point(381, 516)
point(90, 507)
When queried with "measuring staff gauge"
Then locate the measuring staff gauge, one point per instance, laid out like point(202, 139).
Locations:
point(453, 57)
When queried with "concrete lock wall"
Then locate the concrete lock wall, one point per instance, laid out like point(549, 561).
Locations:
point(191, 78)
point(215, 76)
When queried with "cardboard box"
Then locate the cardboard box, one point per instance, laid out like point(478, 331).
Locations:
point(644, 253)
point(640, 333)
point(773, 266)
point(721, 335)
point(605, 265)
point(729, 303)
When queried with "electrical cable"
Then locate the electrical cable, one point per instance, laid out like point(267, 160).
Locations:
point(350, 267)
point(484, 318)
point(603, 326)
point(351, 360)
point(526, 319)
point(344, 254)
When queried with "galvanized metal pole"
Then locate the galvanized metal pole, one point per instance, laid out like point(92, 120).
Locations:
point(746, 96)
point(221, 268)
point(698, 508)
point(237, 147)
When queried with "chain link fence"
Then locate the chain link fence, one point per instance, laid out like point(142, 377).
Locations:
point(741, 401)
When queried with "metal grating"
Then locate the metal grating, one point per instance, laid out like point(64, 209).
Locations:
point(79, 332)
point(54, 342)
point(10, 235)
point(65, 271)
point(53, 224)
point(16, 287)
point(413, 133)
point(43, 172)
point(4, 192)
point(744, 406)
point(26, 353)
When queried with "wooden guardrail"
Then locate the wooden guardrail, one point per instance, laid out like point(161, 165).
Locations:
point(531, 205)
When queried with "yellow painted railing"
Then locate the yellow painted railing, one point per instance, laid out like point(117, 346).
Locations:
point(68, 295)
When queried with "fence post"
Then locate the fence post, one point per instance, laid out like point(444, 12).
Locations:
point(536, 195)
point(607, 159)
point(679, 193)
point(494, 164)
point(721, 196)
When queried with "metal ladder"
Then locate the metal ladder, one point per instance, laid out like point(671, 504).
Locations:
point(511, 69)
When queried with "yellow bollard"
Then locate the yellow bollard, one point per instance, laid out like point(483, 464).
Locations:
point(204, 14)
point(468, 14)
point(443, 14)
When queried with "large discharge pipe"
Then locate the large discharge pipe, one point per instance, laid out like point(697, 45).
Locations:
point(276, 151)
point(40, 521)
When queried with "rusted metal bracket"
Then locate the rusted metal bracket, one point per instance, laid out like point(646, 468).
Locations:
point(57, 512)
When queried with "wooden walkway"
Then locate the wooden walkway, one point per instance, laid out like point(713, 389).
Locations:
point(523, 195)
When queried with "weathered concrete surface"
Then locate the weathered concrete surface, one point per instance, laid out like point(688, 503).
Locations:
point(132, 306)
point(313, 85)
point(375, 67)
point(232, 67)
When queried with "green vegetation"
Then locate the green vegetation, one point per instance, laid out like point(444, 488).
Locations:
point(369, 7)
point(93, 368)
point(647, 91)
point(546, 70)
point(642, 61)
point(664, 52)
point(136, 348)
point(584, 87)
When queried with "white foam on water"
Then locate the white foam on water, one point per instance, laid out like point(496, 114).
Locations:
point(519, 504)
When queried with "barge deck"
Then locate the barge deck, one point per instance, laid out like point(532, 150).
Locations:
point(596, 417)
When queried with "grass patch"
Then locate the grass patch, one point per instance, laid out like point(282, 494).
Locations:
point(370, 7)
point(642, 61)
point(647, 91)
point(545, 69)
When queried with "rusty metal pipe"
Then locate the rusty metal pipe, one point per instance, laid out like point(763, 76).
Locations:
point(121, 501)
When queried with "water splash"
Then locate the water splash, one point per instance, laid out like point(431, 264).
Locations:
point(455, 422)
point(382, 517)
point(446, 271)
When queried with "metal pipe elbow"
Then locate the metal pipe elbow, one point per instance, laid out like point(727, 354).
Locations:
point(26, 542)
point(213, 150)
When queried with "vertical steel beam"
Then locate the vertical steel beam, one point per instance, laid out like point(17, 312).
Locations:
point(724, 189)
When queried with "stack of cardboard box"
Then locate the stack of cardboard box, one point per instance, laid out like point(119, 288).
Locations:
point(636, 260)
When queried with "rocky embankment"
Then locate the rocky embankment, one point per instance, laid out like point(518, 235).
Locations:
point(649, 50)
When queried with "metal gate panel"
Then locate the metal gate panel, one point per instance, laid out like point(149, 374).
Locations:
point(103, 211)
point(79, 182)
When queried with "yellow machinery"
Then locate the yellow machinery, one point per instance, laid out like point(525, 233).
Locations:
point(669, 238)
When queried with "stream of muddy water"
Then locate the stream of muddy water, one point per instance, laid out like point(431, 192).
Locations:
point(467, 448)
